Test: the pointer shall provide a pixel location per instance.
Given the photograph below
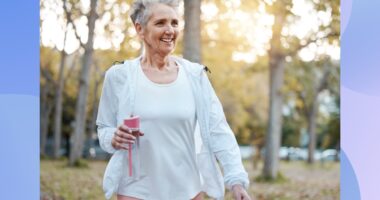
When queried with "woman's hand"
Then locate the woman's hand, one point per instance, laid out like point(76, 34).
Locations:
point(239, 193)
point(123, 135)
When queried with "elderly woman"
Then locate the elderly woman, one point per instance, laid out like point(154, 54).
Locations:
point(183, 130)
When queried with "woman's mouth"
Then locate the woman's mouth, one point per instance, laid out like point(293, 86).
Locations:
point(167, 40)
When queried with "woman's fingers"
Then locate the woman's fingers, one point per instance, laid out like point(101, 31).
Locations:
point(123, 140)
point(238, 196)
point(125, 135)
point(122, 146)
point(125, 129)
point(240, 193)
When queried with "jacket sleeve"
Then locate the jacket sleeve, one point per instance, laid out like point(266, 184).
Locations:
point(223, 142)
point(107, 111)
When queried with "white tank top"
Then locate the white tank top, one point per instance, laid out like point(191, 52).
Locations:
point(168, 166)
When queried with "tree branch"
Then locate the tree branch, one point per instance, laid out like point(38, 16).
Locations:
point(323, 82)
point(47, 75)
point(70, 21)
point(310, 40)
point(301, 95)
point(68, 75)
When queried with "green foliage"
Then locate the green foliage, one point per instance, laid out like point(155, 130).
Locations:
point(280, 179)
point(301, 82)
point(291, 130)
point(331, 138)
point(81, 163)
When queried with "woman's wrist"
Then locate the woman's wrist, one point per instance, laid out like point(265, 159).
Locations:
point(237, 185)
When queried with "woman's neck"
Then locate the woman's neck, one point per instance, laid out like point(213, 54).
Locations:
point(155, 60)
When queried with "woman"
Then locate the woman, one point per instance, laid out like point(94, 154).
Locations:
point(183, 129)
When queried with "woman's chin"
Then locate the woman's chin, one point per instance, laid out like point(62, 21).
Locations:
point(167, 51)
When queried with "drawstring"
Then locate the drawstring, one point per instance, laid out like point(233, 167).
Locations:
point(206, 69)
point(118, 62)
point(135, 79)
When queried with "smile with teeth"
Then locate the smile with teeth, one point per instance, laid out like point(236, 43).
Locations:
point(167, 40)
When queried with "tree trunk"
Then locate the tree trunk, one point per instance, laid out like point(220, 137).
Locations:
point(58, 105)
point(276, 65)
point(257, 156)
point(273, 137)
point(95, 108)
point(77, 138)
point(192, 31)
point(313, 113)
point(92, 125)
point(45, 110)
point(312, 124)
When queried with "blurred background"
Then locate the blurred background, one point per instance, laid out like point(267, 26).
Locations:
point(274, 65)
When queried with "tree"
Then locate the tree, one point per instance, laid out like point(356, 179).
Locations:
point(47, 96)
point(98, 76)
point(311, 111)
point(276, 70)
point(281, 46)
point(46, 106)
point(192, 32)
point(58, 100)
point(77, 138)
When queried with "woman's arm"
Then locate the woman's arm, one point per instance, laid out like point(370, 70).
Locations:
point(223, 142)
point(106, 119)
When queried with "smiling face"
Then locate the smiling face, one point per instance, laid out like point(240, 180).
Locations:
point(161, 31)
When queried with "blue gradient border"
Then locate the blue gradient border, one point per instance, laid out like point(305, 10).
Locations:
point(19, 99)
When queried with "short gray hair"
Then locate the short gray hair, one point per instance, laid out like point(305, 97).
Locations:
point(140, 10)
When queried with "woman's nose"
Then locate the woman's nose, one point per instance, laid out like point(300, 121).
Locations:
point(169, 29)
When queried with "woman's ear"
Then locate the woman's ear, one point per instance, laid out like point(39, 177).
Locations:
point(139, 30)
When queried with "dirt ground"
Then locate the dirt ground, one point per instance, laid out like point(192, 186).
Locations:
point(302, 182)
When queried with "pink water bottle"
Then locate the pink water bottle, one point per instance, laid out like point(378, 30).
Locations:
point(133, 124)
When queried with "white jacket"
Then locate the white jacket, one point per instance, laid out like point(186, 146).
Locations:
point(216, 141)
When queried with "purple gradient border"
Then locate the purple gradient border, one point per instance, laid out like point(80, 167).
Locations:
point(360, 94)
point(19, 99)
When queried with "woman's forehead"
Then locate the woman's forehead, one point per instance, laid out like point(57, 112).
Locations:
point(159, 11)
